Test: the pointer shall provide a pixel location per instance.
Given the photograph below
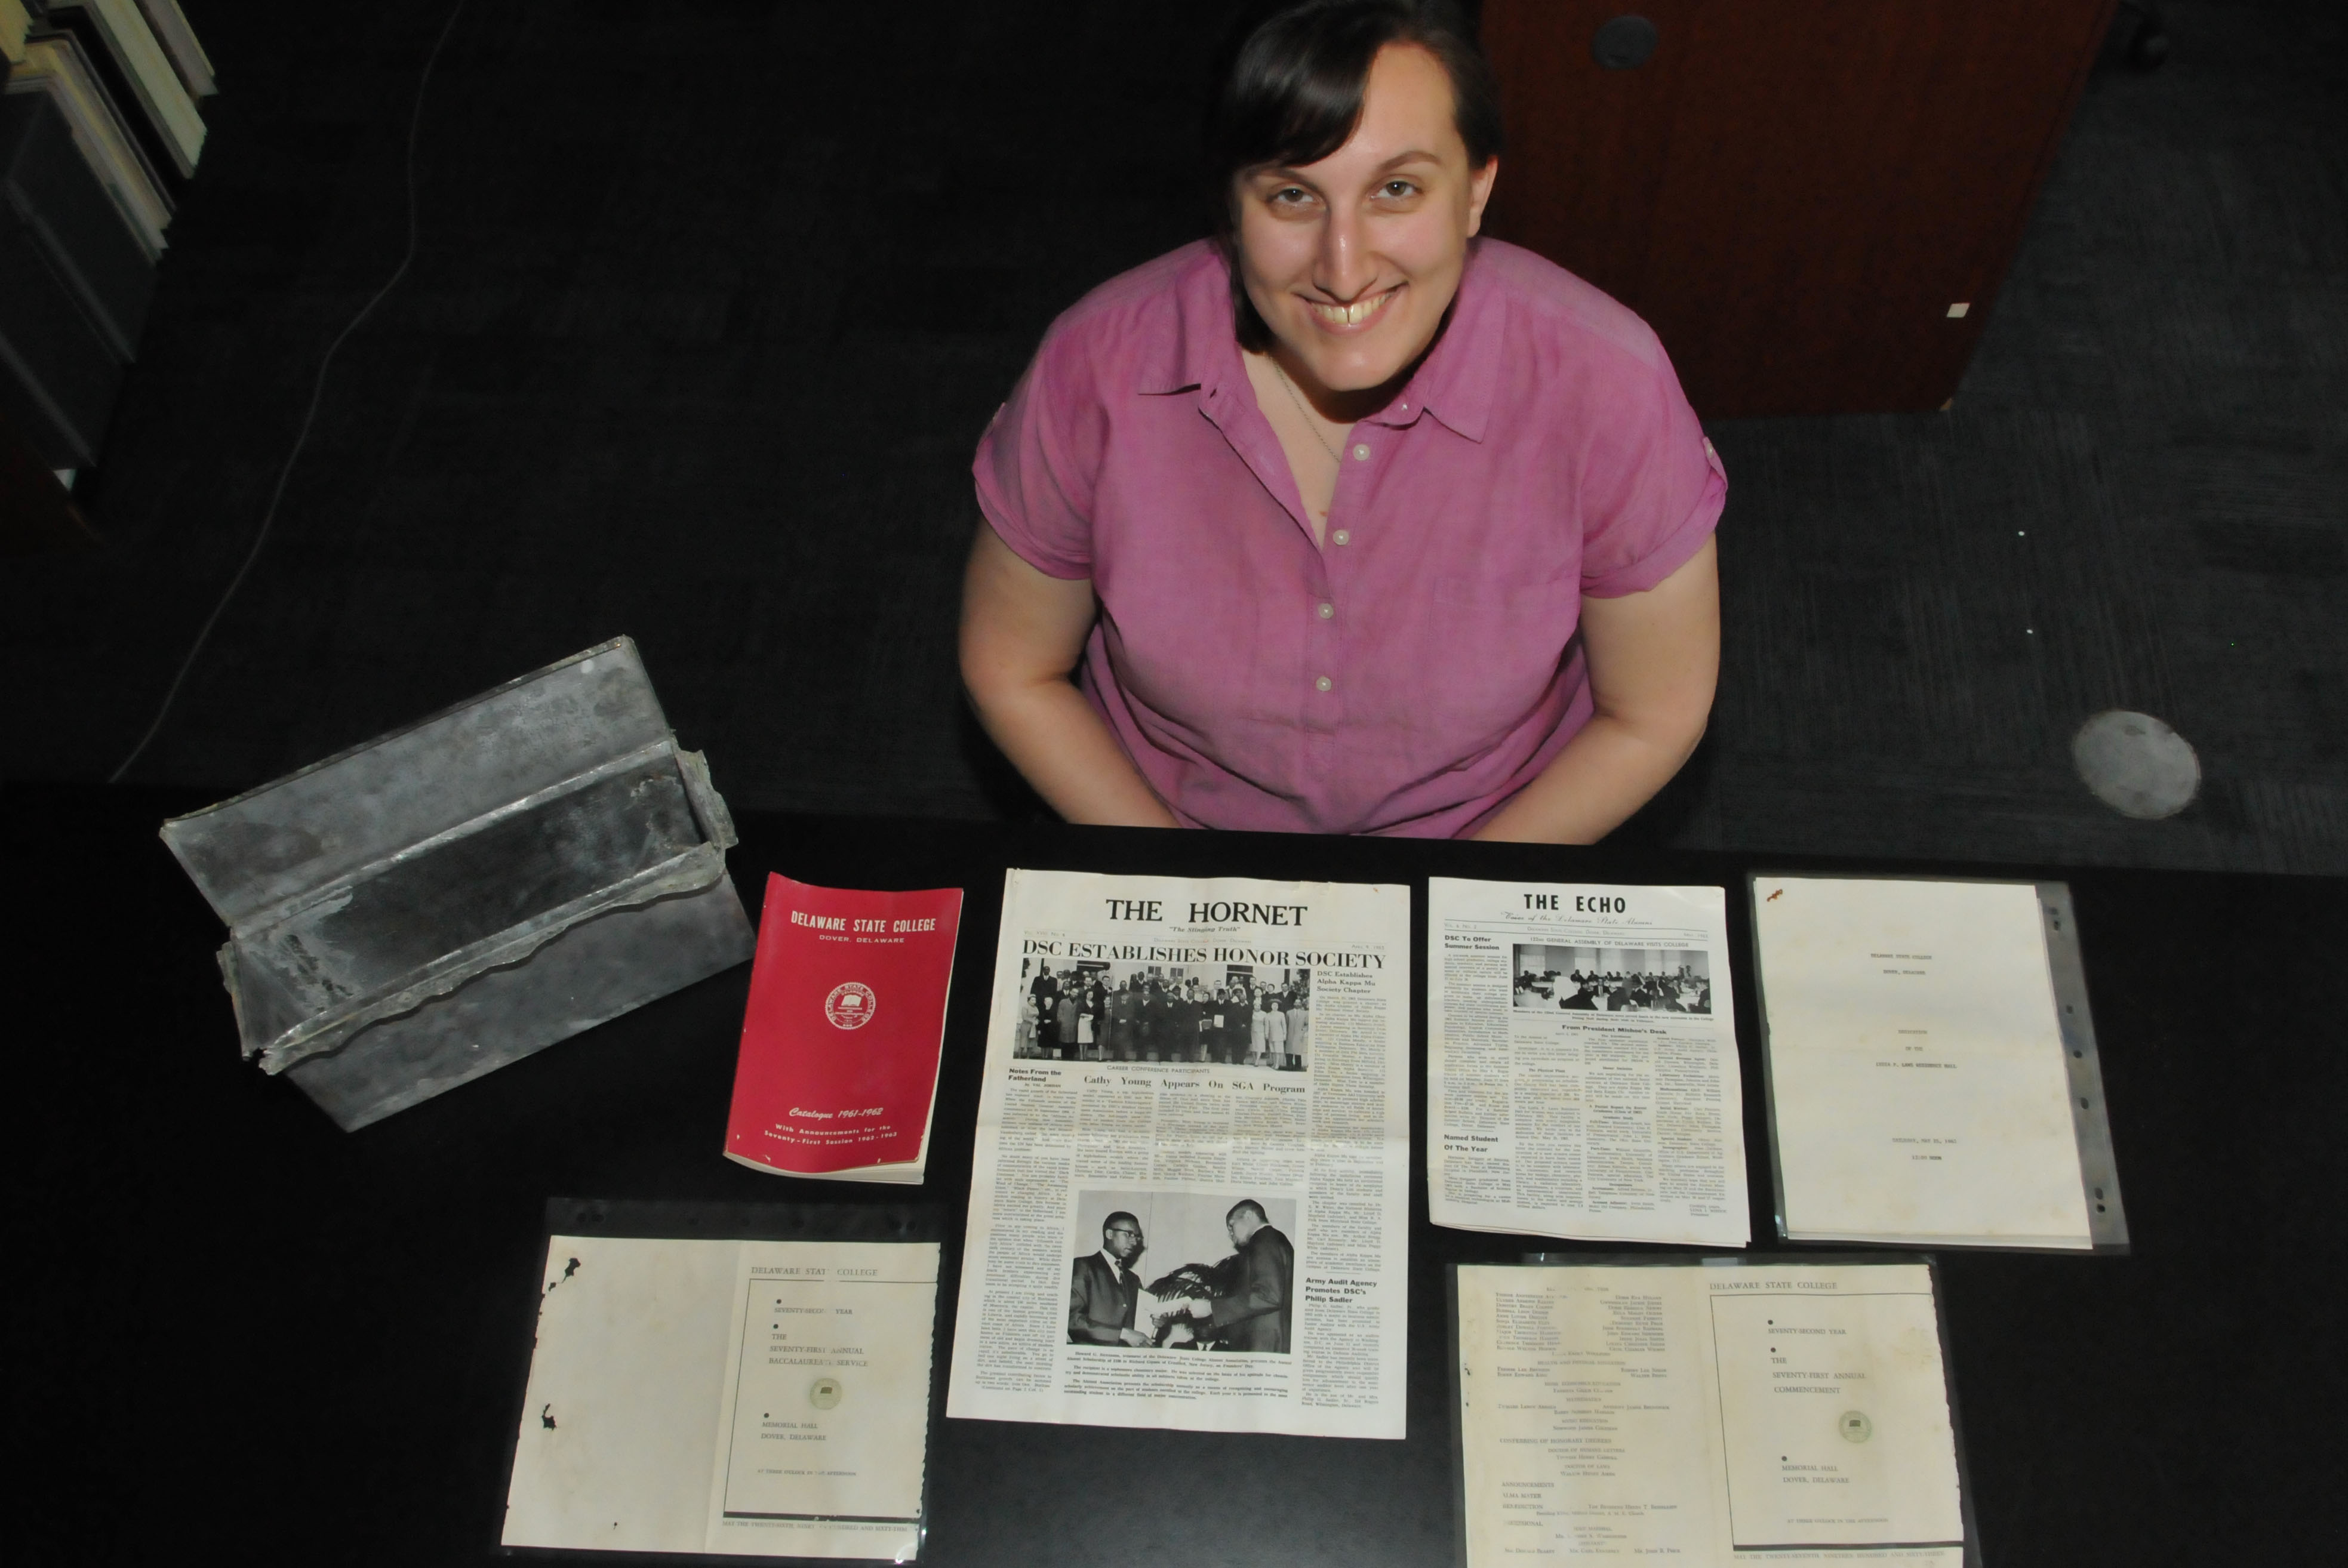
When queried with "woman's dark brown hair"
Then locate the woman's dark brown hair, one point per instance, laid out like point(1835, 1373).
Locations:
point(1288, 91)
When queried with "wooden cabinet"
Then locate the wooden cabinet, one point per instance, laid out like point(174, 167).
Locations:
point(1813, 201)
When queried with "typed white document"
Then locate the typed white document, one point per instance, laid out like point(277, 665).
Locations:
point(1917, 1081)
point(741, 1398)
point(1705, 1415)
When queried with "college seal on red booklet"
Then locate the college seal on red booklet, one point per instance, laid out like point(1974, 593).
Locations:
point(849, 1006)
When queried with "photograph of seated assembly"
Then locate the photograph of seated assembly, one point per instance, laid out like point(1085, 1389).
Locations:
point(449, 899)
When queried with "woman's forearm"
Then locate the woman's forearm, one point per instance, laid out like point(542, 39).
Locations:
point(1605, 773)
point(1059, 744)
point(1654, 663)
point(1022, 634)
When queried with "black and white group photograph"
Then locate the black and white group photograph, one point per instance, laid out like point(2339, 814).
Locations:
point(1183, 1271)
point(1612, 979)
point(1240, 1015)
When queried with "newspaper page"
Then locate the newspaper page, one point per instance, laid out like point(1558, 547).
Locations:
point(1581, 1063)
point(1772, 1412)
point(1916, 1069)
point(1189, 1202)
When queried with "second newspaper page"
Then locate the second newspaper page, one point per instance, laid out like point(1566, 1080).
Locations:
point(1581, 1063)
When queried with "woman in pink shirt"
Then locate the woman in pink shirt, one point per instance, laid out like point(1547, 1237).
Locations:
point(1344, 521)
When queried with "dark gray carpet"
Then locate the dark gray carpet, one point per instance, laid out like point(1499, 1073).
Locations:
point(714, 298)
point(2139, 499)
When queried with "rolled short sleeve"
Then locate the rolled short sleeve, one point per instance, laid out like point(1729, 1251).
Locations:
point(1652, 491)
point(1039, 460)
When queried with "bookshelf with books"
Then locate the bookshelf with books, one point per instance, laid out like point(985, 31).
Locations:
point(100, 132)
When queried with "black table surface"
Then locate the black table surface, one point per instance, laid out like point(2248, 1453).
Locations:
point(245, 1331)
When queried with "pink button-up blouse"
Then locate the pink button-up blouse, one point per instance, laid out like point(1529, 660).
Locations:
point(1420, 666)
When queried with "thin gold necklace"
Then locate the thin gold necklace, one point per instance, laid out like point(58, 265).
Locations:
point(1298, 399)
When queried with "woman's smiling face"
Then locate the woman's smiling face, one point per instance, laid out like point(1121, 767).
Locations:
point(1352, 261)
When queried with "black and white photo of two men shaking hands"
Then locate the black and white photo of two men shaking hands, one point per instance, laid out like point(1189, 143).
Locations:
point(1242, 1303)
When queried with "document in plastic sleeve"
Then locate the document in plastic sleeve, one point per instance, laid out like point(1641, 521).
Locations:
point(1705, 1414)
point(1581, 1063)
point(1189, 1204)
point(1917, 1089)
point(738, 1397)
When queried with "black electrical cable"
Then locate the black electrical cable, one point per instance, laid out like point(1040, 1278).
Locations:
point(310, 417)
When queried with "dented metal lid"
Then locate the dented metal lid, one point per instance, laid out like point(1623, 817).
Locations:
point(363, 885)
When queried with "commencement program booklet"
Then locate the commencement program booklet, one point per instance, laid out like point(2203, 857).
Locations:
point(1189, 1202)
point(1705, 1412)
point(1581, 1062)
point(743, 1397)
point(838, 1074)
point(1919, 1088)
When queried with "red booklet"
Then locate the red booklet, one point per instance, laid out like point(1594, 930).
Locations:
point(838, 1070)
